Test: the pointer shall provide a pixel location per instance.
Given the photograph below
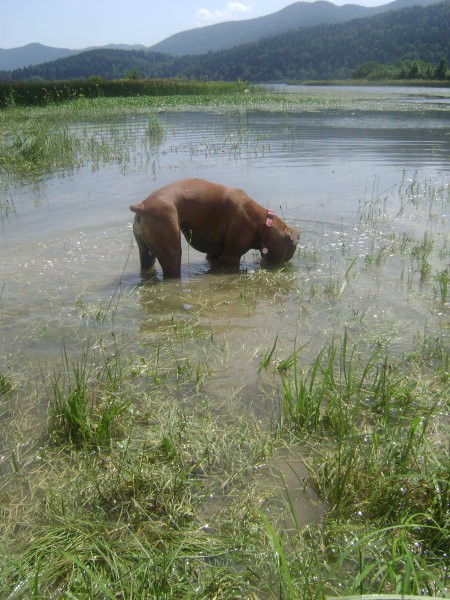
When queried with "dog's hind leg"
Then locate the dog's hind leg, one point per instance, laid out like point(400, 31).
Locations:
point(158, 236)
point(146, 255)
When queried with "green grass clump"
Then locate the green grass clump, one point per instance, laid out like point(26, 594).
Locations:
point(158, 507)
point(379, 459)
point(6, 384)
point(35, 147)
point(86, 401)
point(322, 396)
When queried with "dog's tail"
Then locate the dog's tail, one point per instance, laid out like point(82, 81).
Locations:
point(137, 208)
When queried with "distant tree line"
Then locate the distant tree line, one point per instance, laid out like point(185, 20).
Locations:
point(402, 70)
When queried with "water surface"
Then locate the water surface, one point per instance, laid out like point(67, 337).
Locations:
point(356, 182)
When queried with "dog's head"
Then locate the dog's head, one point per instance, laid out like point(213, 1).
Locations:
point(281, 244)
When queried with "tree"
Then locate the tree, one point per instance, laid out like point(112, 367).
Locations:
point(133, 74)
point(441, 70)
point(413, 71)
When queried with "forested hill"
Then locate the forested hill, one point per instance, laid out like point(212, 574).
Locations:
point(222, 36)
point(333, 51)
point(320, 52)
point(219, 36)
point(105, 63)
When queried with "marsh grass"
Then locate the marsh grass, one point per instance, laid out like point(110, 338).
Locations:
point(31, 148)
point(85, 401)
point(157, 497)
point(403, 568)
point(136, 511)
point(380, 471)
point(341, 387)
point(141, 486)
point(36, 146)
point(38, 139)
point(60, 92)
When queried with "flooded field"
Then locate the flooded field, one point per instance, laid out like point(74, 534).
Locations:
point(368, 185)
point(353, 182)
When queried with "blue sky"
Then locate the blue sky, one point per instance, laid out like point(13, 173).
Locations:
point(82, 23)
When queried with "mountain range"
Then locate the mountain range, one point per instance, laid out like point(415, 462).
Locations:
point(223, 36)
point(220, 36)
point(36, 54)
point(321, 51)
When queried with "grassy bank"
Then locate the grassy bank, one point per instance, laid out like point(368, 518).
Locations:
point(59, 92)
point(131, 492)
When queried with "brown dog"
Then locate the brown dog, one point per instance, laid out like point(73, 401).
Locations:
point(223, 222)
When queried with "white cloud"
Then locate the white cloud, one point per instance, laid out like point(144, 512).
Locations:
point(233, 10)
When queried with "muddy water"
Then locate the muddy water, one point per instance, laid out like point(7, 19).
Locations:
point(354, 182)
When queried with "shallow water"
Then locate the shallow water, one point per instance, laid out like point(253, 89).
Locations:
point(69, 236)
point(353, 181)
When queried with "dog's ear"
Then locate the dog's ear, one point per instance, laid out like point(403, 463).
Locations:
point(137, 208)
